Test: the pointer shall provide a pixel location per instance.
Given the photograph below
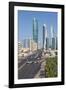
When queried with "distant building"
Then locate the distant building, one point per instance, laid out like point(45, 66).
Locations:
point(35, 31)
point(33, 45)
point(56, 44)
point(29, 45)
point(39, 45)
point(26, 43)
point(53, 40)
point(47, 43)
point(53, 43)
point(25, 47)
point(44, 36)
point(19, 47)
point(51, 30)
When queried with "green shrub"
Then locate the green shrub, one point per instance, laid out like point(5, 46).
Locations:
point(51, 67)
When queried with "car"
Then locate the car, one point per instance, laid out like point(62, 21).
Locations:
point(29, 62)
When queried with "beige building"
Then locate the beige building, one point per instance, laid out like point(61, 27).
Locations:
point(26, 51)
point(33, 45)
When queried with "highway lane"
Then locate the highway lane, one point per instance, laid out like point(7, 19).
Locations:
point(34, 57)
point(29, 70)
point(25, 59)
point(28, 67)
point(21, 62)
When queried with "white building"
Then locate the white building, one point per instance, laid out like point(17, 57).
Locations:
point(19, 47)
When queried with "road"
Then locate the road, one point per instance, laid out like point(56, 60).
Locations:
point(29, 71)
point(28, 67)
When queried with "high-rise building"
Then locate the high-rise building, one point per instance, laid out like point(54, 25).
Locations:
point(47, 43)
point(52, 32)
point(53, 39)
point(29, 44)
point(26, 43)
point(35, 31)
point(53, 43)
point(56, 44)
point(51, 36)
point(45, 37)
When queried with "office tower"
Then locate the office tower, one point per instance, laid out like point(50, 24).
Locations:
point(53, 39)
point(26, 43)
point(35, 31)
point(51, 36)
point(53, 43)
point(52, 33)
point(31, 44)
point(45, 37)
point(56, 44)
point(47, 43)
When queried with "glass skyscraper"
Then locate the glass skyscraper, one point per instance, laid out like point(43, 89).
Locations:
point(45, 38)
point(44, 33)
point(56, 44)
point(35, 30)
point(47, 43)
point(53, 43)
point(53, 39)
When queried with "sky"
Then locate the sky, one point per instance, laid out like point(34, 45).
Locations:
point(25, 23)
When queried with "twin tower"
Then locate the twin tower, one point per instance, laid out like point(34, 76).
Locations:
point(47, 42)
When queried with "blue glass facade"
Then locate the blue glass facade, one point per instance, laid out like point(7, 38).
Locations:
point(43, 36)
point(35, 30)
point(53, 43)
point(47, 43)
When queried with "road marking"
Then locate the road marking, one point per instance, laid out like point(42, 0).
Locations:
point(21, 66)
point(37, 75)
point(25, 64)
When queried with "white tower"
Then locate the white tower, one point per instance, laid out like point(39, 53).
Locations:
point(45, 35)
point(53, 39)
point(52, 32)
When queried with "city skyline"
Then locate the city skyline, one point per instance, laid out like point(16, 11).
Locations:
point(25, 28)
point(37, 44)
